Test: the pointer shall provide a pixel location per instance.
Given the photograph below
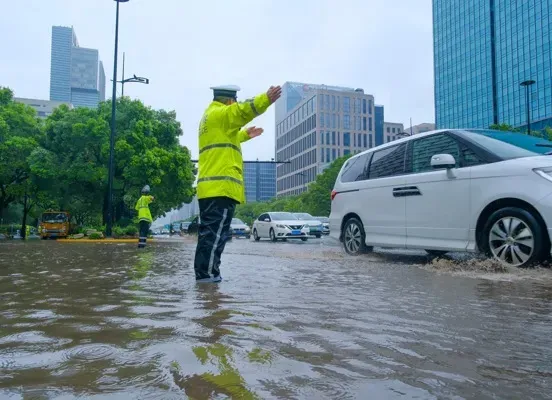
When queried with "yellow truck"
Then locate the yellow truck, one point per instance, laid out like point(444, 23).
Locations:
point(54, 224)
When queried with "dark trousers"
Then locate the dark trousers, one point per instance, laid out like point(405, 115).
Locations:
point(144, 230)
point(215, 215)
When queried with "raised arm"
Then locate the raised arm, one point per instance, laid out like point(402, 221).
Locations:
point(240, 114)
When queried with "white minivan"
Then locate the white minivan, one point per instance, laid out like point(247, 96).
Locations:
point(449, 190)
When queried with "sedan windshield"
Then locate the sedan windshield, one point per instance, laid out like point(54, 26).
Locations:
point(303, 216)
point(282, 216)
point(237, 221)
point(509, 145)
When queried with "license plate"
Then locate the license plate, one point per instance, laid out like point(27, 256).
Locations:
point(295, 232)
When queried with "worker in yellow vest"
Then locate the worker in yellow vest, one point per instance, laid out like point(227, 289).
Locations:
point(220, 184)
point(144, 215)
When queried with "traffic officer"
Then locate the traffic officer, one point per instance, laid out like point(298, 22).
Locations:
point(220, 184)
point(144, 215)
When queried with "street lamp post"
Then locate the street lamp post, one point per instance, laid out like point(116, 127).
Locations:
point(527, 84)
point(112, 137)
point(134, 79)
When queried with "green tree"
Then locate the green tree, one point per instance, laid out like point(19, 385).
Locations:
point(503, 127)
point(20, 133)
point(317, 200)
point(75, 157)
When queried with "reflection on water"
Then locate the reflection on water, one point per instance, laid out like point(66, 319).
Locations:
point(115, 322)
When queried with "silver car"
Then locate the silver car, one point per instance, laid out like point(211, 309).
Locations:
point(315, 226)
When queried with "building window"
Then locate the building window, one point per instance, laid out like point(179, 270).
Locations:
point(370, 123)
point(346, 152)
point(388, 130)
point(334, 121)
point(369, 106)
point(364, 106)
point(346, 104)
point(333, 138)
point(363, 123)
point(333, 103)
point(370, 140)
point(322, 120)
point(334, 156)
point(321, 101)
point(365, 140)
point(357, 123)
point(347, 139)
point(328, 155)
point(322, 154)
point(393, 130)
point(346, 121)
point(328, 137)
point(327, 101)
point(321, 137)
point(354, 140)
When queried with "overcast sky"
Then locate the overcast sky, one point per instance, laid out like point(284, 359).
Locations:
point(184, 47)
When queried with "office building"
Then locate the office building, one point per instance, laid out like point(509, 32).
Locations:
point(392, 131)
point(315, 124)
point(483, 51)
point(260, 181)
point(77, 75)
point(43, 108)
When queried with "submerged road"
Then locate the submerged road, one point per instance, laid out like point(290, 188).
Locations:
point(289, 321)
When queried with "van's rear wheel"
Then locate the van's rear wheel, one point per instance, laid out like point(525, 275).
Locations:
point(354, 238)
point(514, 237)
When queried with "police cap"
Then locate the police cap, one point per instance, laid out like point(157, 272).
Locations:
point(225, 91)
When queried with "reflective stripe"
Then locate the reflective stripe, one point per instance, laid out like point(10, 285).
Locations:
point(220, 178)
point(253, 107)
point(220, 145)
point(215, 244)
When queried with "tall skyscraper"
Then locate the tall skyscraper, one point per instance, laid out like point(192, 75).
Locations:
point(260, 181)
point(315, 124)
point(76, 74)
point(483, 51)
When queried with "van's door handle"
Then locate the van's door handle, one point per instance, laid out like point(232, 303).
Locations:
point(406, 191)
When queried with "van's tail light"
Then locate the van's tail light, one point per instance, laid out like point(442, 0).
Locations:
point(334, 193)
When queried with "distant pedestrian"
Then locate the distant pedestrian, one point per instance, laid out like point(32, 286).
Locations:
point(144, 215)
point(220, 184)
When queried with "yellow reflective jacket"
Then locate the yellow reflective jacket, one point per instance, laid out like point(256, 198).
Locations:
point(142, 206)
point(220, 137)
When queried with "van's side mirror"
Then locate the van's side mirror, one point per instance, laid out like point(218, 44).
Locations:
point(266, 220)
point(443, 161)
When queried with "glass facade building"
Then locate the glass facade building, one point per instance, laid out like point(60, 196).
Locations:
point(260, 181)
point(76, 73)
point(483, 50)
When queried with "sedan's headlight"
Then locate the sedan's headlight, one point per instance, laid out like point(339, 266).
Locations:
point(280, 226)
point(247, 229)
point(546, 173)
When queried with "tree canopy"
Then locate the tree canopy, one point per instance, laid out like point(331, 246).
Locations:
point(63, 161)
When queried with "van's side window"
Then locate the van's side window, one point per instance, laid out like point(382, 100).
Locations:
point(388, 162)
point(355, 169)
point(425, 148)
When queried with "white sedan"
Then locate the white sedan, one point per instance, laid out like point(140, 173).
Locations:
point(279, 226)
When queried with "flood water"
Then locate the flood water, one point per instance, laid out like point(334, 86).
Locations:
point(289, 321)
